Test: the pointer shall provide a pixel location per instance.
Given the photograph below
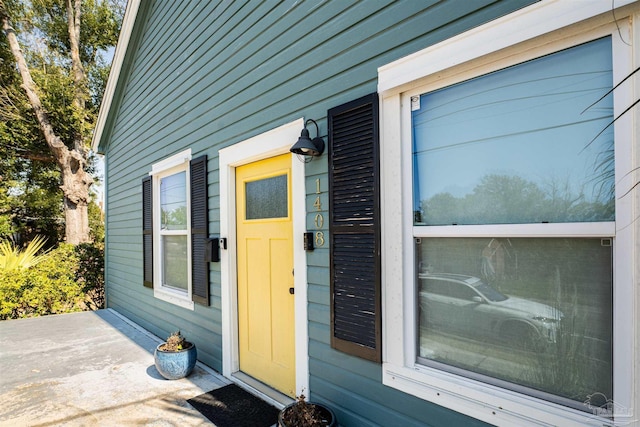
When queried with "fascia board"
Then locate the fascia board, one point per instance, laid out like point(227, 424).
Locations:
point(122, 46)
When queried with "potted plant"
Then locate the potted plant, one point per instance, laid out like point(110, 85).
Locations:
point(306, 414)
point(176, 357)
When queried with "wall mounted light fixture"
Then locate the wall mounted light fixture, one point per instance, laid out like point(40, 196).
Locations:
point(307, 146)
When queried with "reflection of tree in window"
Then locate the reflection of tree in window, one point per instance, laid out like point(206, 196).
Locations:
point(513, 146)
point(173, 202)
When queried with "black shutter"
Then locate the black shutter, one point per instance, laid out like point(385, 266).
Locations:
point(147, 232)
point(355, 228)
point(199, 231)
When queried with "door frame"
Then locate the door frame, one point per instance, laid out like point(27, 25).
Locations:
point(268, 144)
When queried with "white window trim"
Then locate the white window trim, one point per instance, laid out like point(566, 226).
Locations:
point(177, 163)
point(540, 29)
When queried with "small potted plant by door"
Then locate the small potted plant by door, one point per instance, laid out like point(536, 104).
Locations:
point(176, 357)
point(306, 414)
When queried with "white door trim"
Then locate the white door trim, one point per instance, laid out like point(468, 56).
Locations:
point(274, 142)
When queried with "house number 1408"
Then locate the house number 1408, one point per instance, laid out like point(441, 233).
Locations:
point(319, 219)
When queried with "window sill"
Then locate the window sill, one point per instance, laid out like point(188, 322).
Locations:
point(482, 401)
point(175, 298)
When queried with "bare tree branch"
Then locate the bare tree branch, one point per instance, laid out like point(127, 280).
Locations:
point(77, 70)
point(32, 155)
point(75, 180)
point(55, 144)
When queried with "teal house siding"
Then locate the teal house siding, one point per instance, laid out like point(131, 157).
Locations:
point(206, 75)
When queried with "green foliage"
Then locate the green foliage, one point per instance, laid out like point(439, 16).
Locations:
point(96, 222)
point(90, 266)
point(6, 229)
point(31, 201)
point(13, 257)
point(499, 199)
point(68, 279)
point(46, 289)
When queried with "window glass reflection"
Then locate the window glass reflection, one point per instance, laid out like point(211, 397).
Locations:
point(532, 312)
point(517, 146)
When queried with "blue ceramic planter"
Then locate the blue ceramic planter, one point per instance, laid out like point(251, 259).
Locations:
point(174, 365)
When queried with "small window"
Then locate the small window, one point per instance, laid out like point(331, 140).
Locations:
point(173, 231)
point(171, 234)
point(175, 228)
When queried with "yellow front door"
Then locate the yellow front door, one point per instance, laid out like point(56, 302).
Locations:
point(265, 272)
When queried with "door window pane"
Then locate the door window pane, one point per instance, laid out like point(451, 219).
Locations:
point(517, 146)
point(267, 198)
point(173, 202)
point(534, 313)
point(174, 262)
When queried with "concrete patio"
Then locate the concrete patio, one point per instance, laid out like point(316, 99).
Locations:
point(91, 369)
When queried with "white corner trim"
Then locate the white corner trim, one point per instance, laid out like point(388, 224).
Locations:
point(122, 46)
point(525, 24)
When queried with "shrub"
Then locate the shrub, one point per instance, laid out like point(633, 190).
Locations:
point(90, 273)
point(48, 288)
point(68, 279)
point(12, 257)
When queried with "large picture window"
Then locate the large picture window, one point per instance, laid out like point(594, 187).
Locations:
point(506, 172)
point(518, 146)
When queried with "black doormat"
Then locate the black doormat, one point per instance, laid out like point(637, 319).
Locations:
point(231, 406)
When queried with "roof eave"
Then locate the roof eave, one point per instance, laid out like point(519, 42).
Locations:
point(114, 74)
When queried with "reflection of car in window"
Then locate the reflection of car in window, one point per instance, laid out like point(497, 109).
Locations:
point(466, 305)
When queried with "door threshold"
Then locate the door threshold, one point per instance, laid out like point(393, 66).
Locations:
point(260, 389)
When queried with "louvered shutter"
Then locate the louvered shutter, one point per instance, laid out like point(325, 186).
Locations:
point(355, 228)
point(147, 232)
point(199, 231)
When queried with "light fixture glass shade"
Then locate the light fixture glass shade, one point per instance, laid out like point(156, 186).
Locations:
point(306, 146)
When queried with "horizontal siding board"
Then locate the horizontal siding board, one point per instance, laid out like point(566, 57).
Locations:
point(319, 333)
point(352, 409)
point(155, 81)
point(337, 361)
point(230, 70)
point(319, 313)
point(124, 262)
point(214, 74)
point(318, 294)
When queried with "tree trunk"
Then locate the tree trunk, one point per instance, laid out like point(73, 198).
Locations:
point(75, 180)
point(75, 187)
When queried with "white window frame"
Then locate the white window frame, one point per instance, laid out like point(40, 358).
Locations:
point(167, 167)
point(540, 29)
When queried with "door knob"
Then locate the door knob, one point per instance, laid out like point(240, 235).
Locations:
point(292, 291)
